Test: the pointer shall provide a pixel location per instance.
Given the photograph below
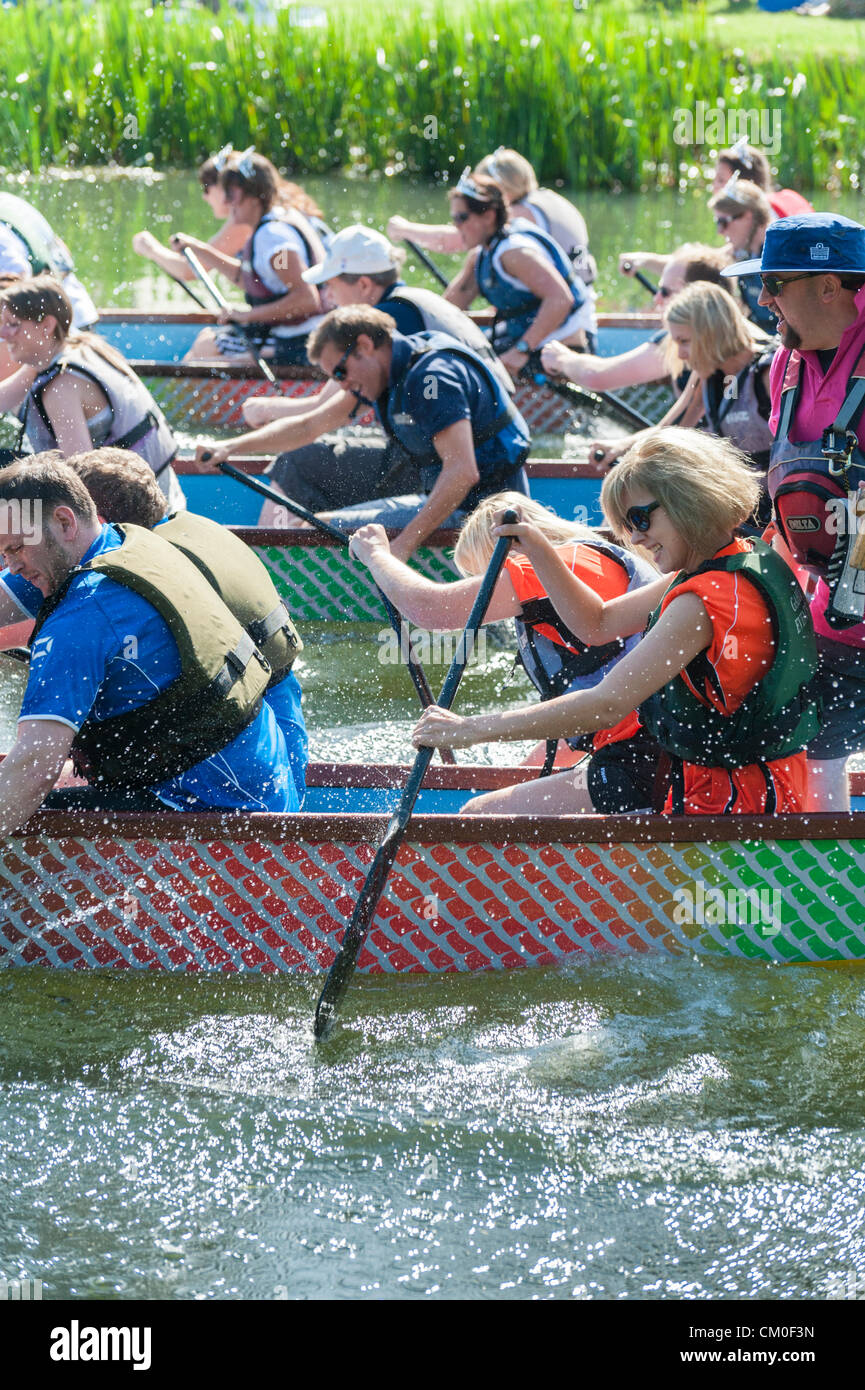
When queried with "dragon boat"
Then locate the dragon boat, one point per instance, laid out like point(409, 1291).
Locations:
point(209, 396)
point(271, 894)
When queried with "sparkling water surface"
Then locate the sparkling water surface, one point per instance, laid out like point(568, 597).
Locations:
point(611, 1129)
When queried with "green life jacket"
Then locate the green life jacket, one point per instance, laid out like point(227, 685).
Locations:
point(222, 679)
point(242, 582)
point(779, 715)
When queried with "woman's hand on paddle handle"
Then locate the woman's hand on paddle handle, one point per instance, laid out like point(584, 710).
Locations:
point(525, 533)
point(209, 455)
point(441, 728)
point(367, 541)
point(603, 454)
point(557, 359)
point(632, 261)
point(144, 244)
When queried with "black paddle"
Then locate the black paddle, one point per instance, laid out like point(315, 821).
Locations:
point(643, 279)
point(340, 973)
point(398, 623)
point(427, 261)
point(222, 303)
point(581, 395)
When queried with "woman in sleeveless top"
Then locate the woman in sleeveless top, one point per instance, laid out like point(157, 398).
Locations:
point(282, 309)
point(230, 238)
point(72, 391)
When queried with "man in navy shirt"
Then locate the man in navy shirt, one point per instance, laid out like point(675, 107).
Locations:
point(444, 406)
point(105, 651)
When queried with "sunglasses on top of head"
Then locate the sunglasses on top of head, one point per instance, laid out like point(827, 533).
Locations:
point(640, 518)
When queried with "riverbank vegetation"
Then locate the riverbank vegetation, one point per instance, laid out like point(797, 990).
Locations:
point(595, 97)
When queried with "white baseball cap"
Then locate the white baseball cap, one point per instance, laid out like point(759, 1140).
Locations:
point(354, 251)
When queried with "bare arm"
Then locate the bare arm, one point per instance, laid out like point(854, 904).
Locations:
point(682, 632)
point(283, 434)
point(643, 260)
point(421, 600)
point(63, 404)
point(31, 768)
point(301, 301)
point(13, 390)
point(463, 289)
point(260, 410)
point(686, 412)
point(210, 257)
point(230, 239)
point(594, 620)
point(641, 364)
point(459, 473)
point(443, 237)
point(541, 277)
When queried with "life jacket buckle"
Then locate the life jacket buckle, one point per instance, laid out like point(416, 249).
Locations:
point(837, 455)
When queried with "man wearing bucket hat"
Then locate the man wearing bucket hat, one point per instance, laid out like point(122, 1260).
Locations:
point(325, 471)
point(813, 272)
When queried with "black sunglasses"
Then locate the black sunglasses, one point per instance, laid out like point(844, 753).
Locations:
point(774, 286)
point(639, 518)
point(458, 218)
point(722, 222)
point(339, 372)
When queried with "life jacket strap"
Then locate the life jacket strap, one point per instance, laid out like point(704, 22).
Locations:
point(279, 619)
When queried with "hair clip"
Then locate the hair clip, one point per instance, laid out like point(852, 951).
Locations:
point(469, 189)
point(245, 165)
point(221, 158)
point(739, 151)
point(730, 192)
point(492, 162)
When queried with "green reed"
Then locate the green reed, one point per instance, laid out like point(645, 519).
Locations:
point(588, 96)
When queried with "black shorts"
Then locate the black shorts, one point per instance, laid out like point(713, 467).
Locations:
point(840, 685)
point(621, 776)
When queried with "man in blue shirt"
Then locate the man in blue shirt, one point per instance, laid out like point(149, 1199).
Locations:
point(103, 652)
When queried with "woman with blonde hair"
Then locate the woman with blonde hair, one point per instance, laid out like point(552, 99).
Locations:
point(730, 359)
point(742, 213)
point(620, 772)
point(74, 392)
point(732, 626)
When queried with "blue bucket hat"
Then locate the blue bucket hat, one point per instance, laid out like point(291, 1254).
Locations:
point(817, 241)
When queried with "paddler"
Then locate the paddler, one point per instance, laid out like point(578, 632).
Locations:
point(282, 308)
point(441, 403)
point(751, 163)
point(72, 390)
point(742, 215)
point(522, 271)
point(126, 492)
point(361, 267)
point(813, 277)
point(619, 774)
point(733, 626)
point(137, 669)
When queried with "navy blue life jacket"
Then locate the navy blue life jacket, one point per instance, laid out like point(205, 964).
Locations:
point(516, 304)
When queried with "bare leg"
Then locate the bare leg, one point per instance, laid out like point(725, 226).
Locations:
point(205, 348)
point(563, 793)
point(828, 787)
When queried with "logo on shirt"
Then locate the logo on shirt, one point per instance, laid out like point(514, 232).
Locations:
point(803, 523)
point(819, 252)
point(41, 647)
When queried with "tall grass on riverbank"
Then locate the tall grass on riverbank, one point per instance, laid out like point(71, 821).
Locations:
point(588, 96)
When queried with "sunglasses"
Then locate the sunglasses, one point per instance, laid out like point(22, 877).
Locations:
point(722, 223)
point(339, 372)
point(772, 285)
point(640, 518)
point(458, 218)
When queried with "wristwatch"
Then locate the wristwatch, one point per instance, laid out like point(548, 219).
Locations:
point(522, 346)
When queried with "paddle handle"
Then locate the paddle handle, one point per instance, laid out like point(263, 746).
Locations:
point(534, 371)
point(427, 261)
point(222, 303)
point(342, 969)
point(643, 279)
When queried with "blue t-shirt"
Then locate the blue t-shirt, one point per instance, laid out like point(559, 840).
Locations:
point(104, 651)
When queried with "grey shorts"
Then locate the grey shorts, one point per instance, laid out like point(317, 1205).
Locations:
point(840, 683)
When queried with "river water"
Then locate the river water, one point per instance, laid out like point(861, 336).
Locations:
point(641, 1130)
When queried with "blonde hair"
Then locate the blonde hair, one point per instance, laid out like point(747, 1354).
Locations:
point(511, 171)
point(740, 195)
point(720, 329)
point(705, 485)
point(476, 541)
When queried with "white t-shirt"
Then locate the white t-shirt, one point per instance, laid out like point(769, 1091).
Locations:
point(274, 236)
